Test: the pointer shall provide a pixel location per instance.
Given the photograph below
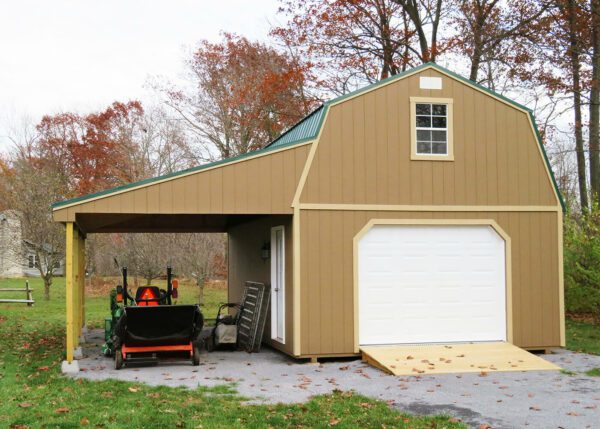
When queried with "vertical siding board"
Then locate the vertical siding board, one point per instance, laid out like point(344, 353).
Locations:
point(314, 283)
point(502, 154)
point(360, 146)
point(178, 198)
point(492, 152)
point(536, 289)
point(481, 142)
point(216, 191)
point(347, 154)
point(289, 179)
point(470, 143)
point(547, 291)
point(460, 144)
point(263, 175)
point(326, 301)
point(239, 190)
point(512, 153)
point(371, 150)
point(333, 169)
point(403, 126)
point(347, 269)
point(305, 285)
point(393, 98)
point(277, 174)
point(228, 190)
point(203, 192)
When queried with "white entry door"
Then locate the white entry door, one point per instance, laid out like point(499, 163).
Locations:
point(278, 284)
point(431, 284)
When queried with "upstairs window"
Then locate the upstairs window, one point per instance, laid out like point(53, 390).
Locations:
point(431, 129)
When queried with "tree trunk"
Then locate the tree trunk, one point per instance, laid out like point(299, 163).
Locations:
point(594, 150)
point(201, 282)
point(47, 284)
point(574, 53)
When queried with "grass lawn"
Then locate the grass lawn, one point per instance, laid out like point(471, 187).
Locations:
point(35, 395)
point(583, 337)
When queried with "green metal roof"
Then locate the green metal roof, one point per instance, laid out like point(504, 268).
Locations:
point(305, 130)
point(309, 127)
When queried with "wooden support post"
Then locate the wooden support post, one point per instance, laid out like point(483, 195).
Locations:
point(76, 292)
point(29, 296)
point(81, 270)
point(69, 291)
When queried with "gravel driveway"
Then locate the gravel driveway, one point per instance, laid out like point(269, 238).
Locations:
point(537, 399)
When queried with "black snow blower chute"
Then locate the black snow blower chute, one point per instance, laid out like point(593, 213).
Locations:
point(149, 326)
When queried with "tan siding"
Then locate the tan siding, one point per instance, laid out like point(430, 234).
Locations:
point(264, 184)
point(245, 264)
point(327, 275)
point(497, 159)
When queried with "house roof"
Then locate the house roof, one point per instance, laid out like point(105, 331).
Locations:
point(308, 128)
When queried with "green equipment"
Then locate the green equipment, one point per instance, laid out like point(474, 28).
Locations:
point(147, 326)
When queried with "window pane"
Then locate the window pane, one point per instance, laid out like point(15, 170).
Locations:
point(423, 109)
point(438, 136)
point(439, 109)
point(423, 147)
point(423, 121)
point(439, 148)
point(439, 122)
point(424, 135)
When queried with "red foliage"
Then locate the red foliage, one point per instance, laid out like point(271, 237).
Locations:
point(88, 149)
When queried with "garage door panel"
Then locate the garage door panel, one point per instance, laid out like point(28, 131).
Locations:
point(431, 284)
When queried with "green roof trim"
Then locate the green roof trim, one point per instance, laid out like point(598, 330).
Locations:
point(308, 129)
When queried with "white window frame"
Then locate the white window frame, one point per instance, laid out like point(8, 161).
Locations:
point(449, 155)
point(274, 321)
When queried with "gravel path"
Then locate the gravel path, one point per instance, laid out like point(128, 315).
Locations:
point(537, 399)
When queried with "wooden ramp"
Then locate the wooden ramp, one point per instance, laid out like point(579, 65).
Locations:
point(453, 358)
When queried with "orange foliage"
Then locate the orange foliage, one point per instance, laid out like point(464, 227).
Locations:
point(87, 149)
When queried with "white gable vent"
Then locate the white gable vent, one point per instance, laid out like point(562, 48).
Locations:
point(430, 82)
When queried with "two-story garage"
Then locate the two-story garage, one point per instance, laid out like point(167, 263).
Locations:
point(421, 209)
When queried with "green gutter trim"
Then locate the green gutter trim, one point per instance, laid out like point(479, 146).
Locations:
point(148, 181)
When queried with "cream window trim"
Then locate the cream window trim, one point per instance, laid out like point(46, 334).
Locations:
point(449, 102)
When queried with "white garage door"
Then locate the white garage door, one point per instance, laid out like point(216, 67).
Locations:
point(431, 284)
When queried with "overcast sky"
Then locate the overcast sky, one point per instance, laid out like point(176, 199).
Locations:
point(64, 55)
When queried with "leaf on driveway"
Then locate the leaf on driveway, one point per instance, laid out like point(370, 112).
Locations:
point(534, 408)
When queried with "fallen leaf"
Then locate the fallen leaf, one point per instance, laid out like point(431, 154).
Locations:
point(333, 422)
point(534, 408)
point(485, 426)
point(572, 413)
point(84, 421)
point(133, 389)
point(409, 357)
point(43, 368)
point(25, 405)
point(62, 410)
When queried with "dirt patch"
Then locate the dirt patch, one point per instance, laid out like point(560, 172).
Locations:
point(587, 318)
point(100, 286)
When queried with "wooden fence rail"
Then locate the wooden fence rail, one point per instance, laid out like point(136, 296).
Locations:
point(28, 294)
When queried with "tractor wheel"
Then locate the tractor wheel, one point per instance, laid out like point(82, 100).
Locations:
point(196, 356)
point(118, 359)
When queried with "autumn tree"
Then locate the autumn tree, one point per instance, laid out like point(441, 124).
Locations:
point(240, 96)
point(497, 34)
point(349, 43)
point(426, 17)
point(32, 187)
point(87, 149)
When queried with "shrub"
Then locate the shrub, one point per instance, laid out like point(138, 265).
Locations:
point(582, 264)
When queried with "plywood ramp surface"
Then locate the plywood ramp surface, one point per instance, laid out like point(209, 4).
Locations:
point(453, 358)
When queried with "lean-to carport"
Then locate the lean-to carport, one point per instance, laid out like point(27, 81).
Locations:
point(246, 197)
